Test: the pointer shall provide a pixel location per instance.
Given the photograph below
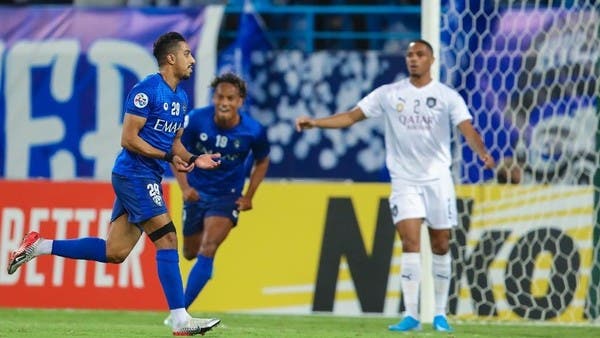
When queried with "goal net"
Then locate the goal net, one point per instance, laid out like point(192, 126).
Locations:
point(528, 247)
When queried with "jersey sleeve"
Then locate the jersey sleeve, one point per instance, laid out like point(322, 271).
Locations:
point(139, 100)
point(459, 111)
point(372, 104)
point(260, 146)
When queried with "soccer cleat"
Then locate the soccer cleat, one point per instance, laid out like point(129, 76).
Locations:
point(441, 324)
point(408, 323)
point(24, 253)
point(196, 326)
point(168, 322)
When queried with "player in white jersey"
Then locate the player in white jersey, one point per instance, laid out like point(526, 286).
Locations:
point(418, 114)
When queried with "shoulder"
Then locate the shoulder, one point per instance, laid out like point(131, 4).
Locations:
point(394, 86)
point(147, 87)
point(199, 115)
point(447, 90)
point(150, 81)
point(250, 122)
point(202, 111)
point(390, 90)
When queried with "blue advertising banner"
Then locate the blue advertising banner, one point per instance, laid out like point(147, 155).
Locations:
point(64, 74)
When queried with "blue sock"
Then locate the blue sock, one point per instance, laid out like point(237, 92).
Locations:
point(167, 262)
point(88, 248)
point(199, 276)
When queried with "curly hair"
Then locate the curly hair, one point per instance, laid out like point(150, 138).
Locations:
point(232, 78)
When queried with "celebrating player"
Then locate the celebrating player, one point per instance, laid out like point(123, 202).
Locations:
point(213, 199)
point(418, 114)
point(151, 137)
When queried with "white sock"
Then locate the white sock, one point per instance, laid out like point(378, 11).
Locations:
point(410, 277)
point(44, 247)
point(442, 272)
point(179, 317)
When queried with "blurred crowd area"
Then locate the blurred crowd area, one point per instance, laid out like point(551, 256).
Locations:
point(288, 30)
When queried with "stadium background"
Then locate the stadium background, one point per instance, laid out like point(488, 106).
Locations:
point(320, 237)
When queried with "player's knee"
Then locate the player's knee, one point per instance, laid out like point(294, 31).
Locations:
point(209, 249)
point(116, 257)
point(411, 245)
point(189, 254)
point(440, 246)
point(167, 232)
point(440, 249)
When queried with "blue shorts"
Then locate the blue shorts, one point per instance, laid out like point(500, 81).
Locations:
point(195, 213)
point(140, 198)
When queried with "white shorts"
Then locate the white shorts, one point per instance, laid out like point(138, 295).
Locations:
point(435, 202)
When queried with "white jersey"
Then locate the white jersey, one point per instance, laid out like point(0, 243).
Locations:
point(418, 123)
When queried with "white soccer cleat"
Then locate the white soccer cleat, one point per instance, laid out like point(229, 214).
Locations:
point(25, 252)
point(195, 326)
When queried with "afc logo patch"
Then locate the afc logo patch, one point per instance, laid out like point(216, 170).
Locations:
point(140, 100)
point(430, 102)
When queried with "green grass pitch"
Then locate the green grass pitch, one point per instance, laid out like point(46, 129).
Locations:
point(127, 324)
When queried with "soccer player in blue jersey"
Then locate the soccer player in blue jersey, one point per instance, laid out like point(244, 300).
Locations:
point(155, 111)
point(214, 198)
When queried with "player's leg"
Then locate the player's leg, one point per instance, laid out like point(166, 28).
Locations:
point(441, 214)
point(124, 236)
point(164, 238)
point(161, 231)
point(408, 210)
point(441, 266)
point(216, 229)
point(218, 220)
point(144, 201)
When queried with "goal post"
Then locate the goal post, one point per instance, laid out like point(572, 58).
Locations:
point(430, 31)
point(592, 310)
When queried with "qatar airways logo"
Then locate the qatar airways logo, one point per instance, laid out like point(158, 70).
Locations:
point(417, 117)
point(417, 121)
point(170, 127)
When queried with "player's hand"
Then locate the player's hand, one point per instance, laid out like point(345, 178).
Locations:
point(190, 194)
point(304, 123)
point(181, 165)
point(244, 203)
point(488, 161)
point(208, 161)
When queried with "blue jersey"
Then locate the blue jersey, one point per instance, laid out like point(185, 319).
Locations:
point(164, 110)
point(203, 136)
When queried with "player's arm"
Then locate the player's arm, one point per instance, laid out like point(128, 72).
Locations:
point(131, 140)
point(340, 120)
point(189, 193)
point(476, 143)
point(205, 161)
point(259, 171)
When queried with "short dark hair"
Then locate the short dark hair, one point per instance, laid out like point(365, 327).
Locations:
point(166, 44)
point(232, 78)
point(427, 44)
